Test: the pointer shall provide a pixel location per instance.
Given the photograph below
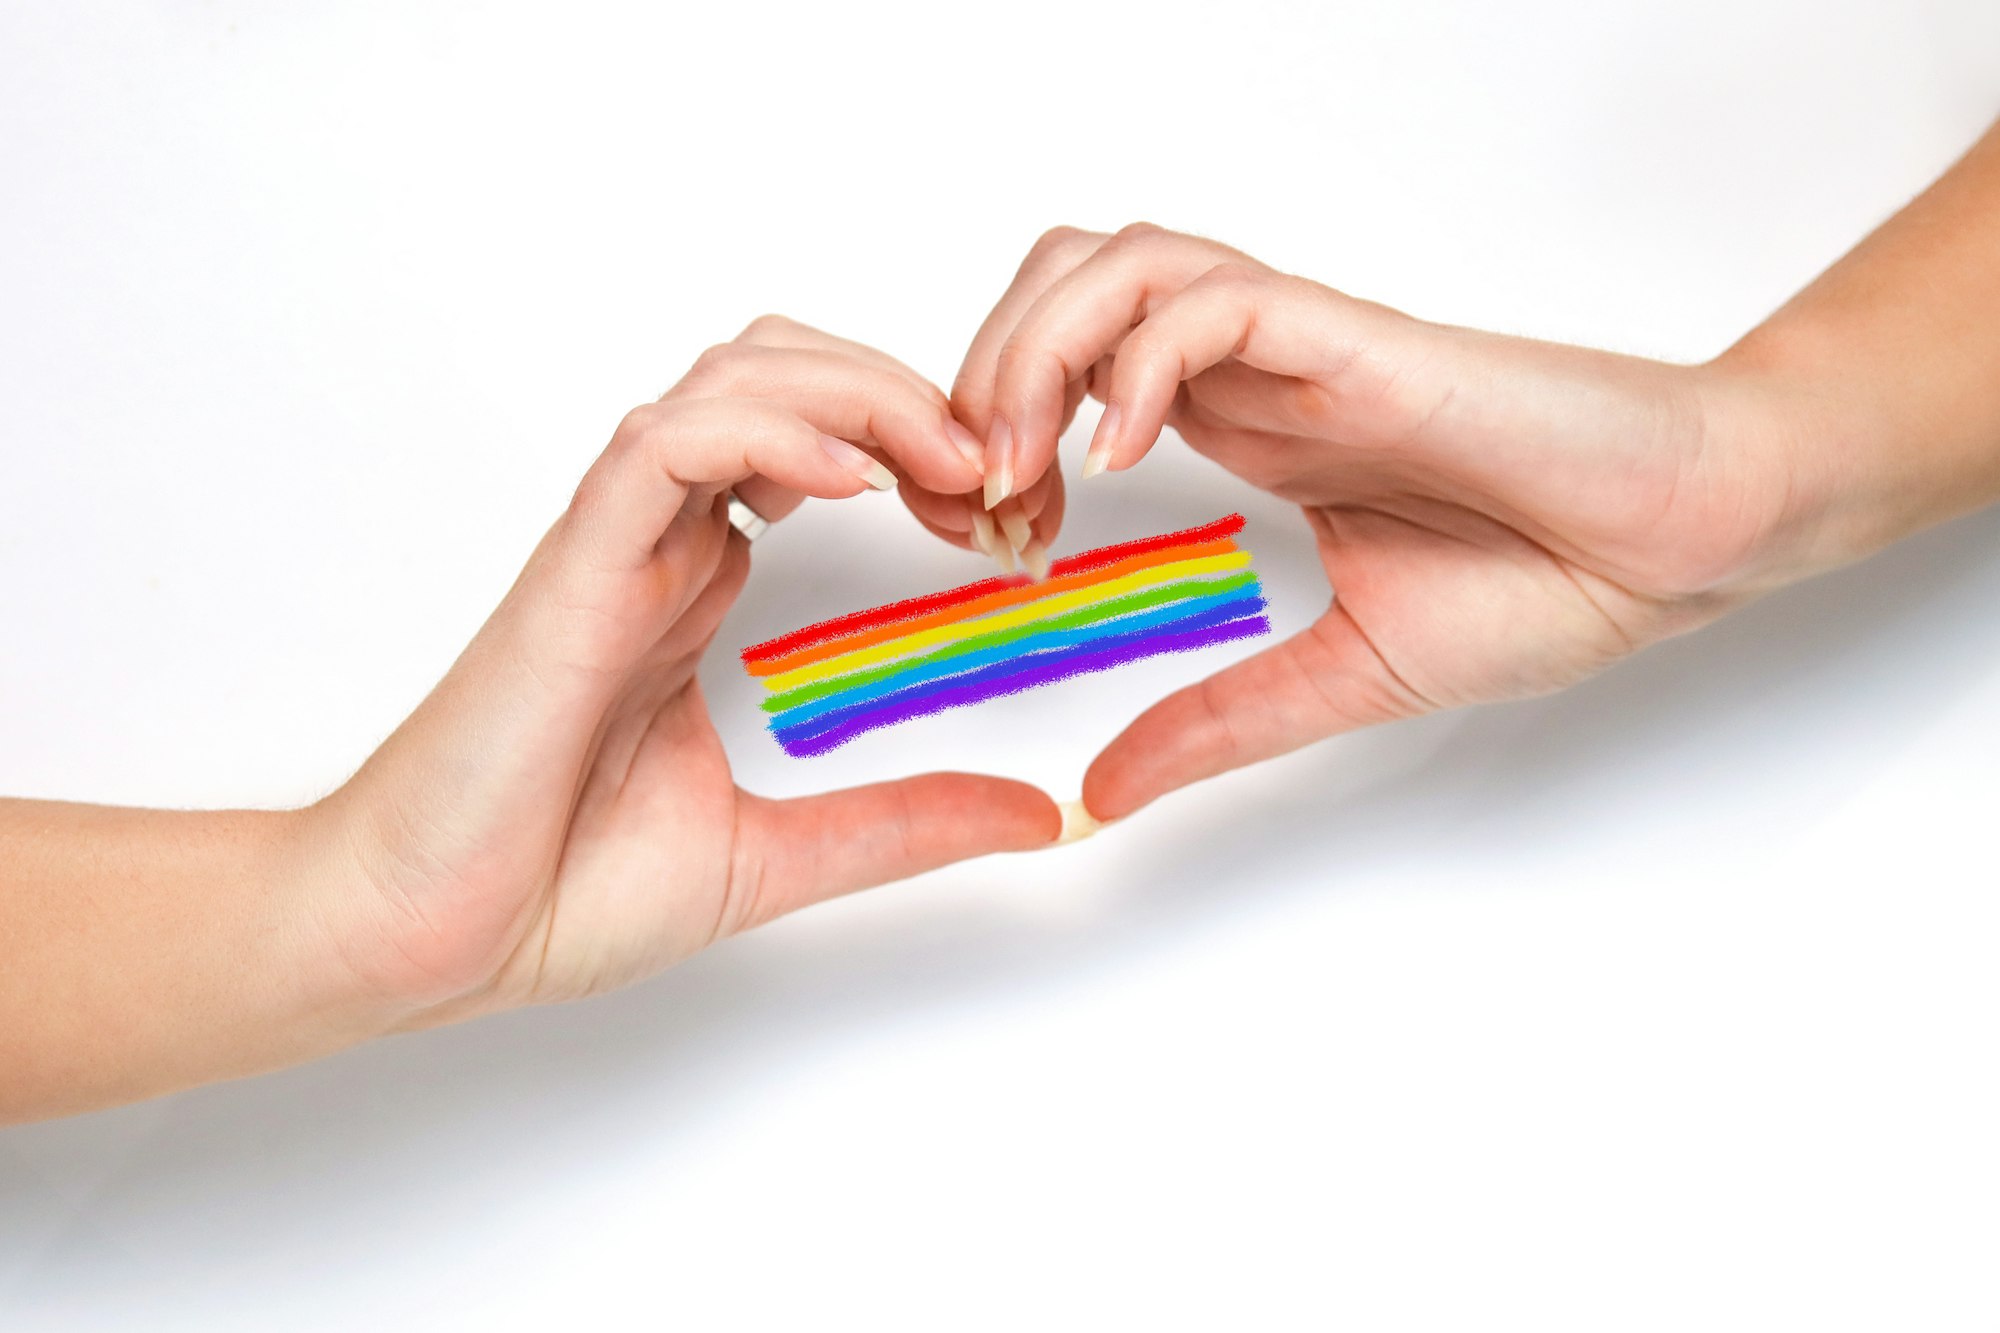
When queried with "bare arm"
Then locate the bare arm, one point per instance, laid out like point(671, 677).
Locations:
point(147, 949)
point(1889, 367)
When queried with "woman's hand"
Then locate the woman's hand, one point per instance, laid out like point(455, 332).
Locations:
point(558, 817)
point(1497, 517)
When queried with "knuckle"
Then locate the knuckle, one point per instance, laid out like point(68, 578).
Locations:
point(765, 327)
point(643, 435)
point(1231, 273)
point(1055, 241)
point(1057, 250)
point(715, 368)
point(634, 427)
point(1141, 234)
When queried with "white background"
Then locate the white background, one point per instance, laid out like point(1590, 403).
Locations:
point(1670, 1002)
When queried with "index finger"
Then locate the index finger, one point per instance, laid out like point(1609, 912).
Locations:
point(1056, 253)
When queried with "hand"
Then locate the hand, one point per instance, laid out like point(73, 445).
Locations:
point(1497, 517)
point(558, 817)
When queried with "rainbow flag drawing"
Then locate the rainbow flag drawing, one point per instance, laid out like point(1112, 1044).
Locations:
point(856, 673)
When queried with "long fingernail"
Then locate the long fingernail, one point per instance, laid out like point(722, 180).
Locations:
point(967, 445)
point(1036, 557)
point(983, 536)
point(1098, 457)
point(1014, 522)
point(858, 462)
point(988, 541)
point(999, 462)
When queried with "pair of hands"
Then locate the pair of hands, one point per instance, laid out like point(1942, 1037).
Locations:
point(1500, 518)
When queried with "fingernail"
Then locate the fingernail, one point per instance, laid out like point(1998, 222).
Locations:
point(967, 445)
point(1077, 823)
point(988, 541)
point(1014, 522)
point(983, 533)
point(999, 462)
point(1098, 457)
point(858, 462)
point(1036, 557)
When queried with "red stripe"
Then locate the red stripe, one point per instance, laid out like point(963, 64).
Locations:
point(913, 607)
point(1111, 555)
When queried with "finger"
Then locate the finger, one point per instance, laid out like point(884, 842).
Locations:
point(1268, 321)
point(803, 851)
point(1058, 251)
point(716, 572)
point(1320, 683)
point(910, 422)
point(778, 331)
point(766, 498)
point(773, 502)
point(948, 513)
point(663, 452)
point(1078, 319)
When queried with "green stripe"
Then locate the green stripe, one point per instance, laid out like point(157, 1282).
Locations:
point(1180, 590)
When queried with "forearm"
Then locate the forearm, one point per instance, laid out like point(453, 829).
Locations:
point(1888, 369)
point(143, 951)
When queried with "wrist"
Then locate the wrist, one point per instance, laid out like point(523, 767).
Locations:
point(414, 941)
point(1861, 457)
point(337, 931)
point(364, 959)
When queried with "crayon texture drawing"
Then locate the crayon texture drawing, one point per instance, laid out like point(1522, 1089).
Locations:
point(836, 680)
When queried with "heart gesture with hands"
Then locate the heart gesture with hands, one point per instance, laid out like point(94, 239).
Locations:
point(1497, 517)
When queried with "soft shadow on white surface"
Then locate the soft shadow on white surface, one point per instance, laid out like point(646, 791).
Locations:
point(411, 1133)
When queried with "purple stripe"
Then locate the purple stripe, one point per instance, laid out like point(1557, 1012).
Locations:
point(1044, 669)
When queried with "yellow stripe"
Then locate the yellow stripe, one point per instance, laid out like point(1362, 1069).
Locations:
point(965, 629)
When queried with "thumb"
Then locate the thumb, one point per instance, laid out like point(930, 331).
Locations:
point(1319, 683)
point(798, 852)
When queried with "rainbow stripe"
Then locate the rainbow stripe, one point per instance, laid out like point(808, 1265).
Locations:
point(853, 674)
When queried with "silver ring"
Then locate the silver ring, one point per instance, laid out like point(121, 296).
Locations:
point(746, 520)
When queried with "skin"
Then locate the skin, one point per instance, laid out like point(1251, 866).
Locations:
point(556, 819)
point(1500, 517)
